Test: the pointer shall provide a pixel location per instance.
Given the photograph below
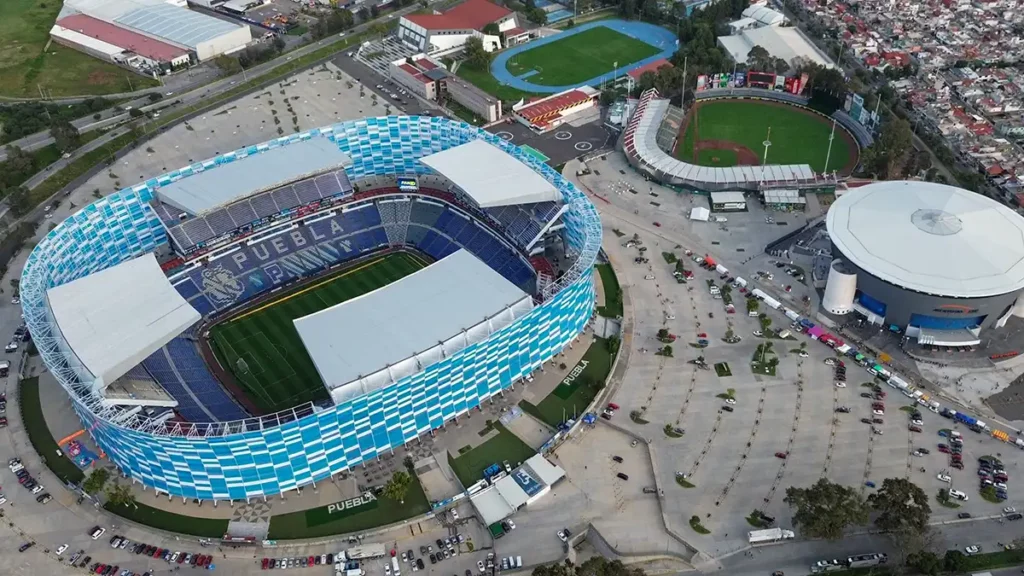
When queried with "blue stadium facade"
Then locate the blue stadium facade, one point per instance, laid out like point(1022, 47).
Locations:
point(272, 454)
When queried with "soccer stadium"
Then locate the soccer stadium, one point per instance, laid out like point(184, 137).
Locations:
point(263, 320)
point(939, 262)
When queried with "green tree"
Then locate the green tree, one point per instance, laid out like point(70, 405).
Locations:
point(537, 16)
point(476, 56)
point(900, 505)
point(954, 561)
point(825, 509)
point(65, 136)
point(121, 495)
point(94, 483)
point(398, 486)
point(19, 200)
point(491, 29)
point(752, 305)
point(662, 333)
point(759, 59)
point(766, 322)
point(891, 148)
point(925, 562)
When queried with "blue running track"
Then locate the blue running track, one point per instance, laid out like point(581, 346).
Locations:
point(656, 36)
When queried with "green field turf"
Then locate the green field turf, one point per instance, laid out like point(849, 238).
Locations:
point(280, 374)
point(797, 138)
point(580, 57)
point(502, 447)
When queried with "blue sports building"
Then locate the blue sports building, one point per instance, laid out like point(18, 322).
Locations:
point(221, 246)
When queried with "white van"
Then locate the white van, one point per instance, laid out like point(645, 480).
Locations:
point(519, 561)
point(394, 566)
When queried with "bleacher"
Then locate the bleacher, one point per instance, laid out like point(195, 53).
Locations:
point(194, 231)
point(524, 221)
point(364, 227)
point(181, 371)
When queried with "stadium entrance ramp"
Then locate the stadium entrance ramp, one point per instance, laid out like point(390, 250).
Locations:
point(377, 339)
point(113, 319)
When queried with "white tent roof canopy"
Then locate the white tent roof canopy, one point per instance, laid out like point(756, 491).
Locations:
point(115, 318)
point(490, 176)
point(546, 472)
point(700, 213)
point(491, 505)
point(376, 339)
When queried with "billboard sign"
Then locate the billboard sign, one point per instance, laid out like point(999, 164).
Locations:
point(780, 82)
point(408, 185)
point(739, 79)
point(857, 107)
point(701, 82)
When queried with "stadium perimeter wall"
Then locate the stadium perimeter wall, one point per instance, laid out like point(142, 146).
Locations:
point(249, 458)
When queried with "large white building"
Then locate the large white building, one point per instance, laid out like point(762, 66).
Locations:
point(442, 33)
point(205, 36)
point(790, 44)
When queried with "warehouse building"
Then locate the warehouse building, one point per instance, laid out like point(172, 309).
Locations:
point(119, 45)
point(790, 44)
point(938, 262)
point(447, 32)
point(204, 36)
point(728, 202)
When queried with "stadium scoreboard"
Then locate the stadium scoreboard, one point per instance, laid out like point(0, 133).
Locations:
point(408, 185)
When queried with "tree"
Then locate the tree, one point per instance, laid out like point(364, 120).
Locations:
point(891, 147)
point(780, 66)
point(900, 504)
point(397, 487)
point(925, 562)
point(19, 200)
point(954, 561)
point(600, 566)
point(766, 322)
point(759, 59)
point(93, 484)
point(537, 16)
point(364, 14)
point(752, 305)
point(121, 495)
point(662, 333)
point(491, 29)
point(825, 509)
point(65, 135)
point(476, 56)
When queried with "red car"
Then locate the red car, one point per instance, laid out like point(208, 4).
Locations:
point(957, 464)
point(181, 558)
point(881, 393)
point(943, 448)
point(956, 458)
point(658, 224)
point(263, 564)
point(878, 405)
point(312, 560)
point(782, 455)
point(915, 428)
point(100, 568)
point(613, 406)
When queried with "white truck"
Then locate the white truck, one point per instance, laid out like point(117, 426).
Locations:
point(366, 551)
point(769, 535)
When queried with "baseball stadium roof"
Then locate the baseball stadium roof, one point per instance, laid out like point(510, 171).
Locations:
point(376, 339)
point(930, 238)
point(221, 184)
point(115, 318)
point(490, 176)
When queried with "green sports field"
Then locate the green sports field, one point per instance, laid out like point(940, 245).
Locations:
point(263, 350)
point(798, 136)
point(580, 57)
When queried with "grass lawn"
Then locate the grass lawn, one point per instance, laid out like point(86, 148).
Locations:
point(723, 370)
point(797, 137)
point(504, 447)
point(163, 520)
point(612, 292)
point(684, 149)
point(574, 397)
point(40, 436)
point(24, 67)
point(275, 368)
point(580, 57)
point(310, 523)
point(483, 80)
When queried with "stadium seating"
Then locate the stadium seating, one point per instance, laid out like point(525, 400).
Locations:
point(181, 371)
point(524, 222)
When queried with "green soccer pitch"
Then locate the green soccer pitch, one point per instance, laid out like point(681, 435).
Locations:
point(262, 349)
point(798, 136)
point(580, 57)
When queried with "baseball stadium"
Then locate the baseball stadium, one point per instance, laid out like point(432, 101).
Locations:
point(262, 320)
point(720, 143)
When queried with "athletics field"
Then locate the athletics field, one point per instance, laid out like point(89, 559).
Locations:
point(731, 132)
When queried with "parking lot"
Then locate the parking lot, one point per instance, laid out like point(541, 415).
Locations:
point(734, 460)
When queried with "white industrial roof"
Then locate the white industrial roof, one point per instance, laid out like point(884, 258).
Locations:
point(371, 341)
point(786, 43)
point(155, 18)
point(931, 238)
point(727, 197)
point(115, 318)
point(226, 183)
point(700, 213)
point(512, 492)
point(490, 176)
point(764, 15)
point(546, 472)
point(491, 506)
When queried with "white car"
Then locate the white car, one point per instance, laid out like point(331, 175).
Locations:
point(511, 524)
point(944, 478)
point(455, 514)
point(972, 550)
point(39, 488)
point(15, 300)
point(1009, 510)
point(758, 333)
point(840, 384)
point(917, 422)
point(61, 549)
point(803, 354)
point(480, 566)
point(649, 277)
point(562, 536)
point(730, 400)
point(830, 361)
point(11, 347)
point(1000, 485)
point(878, 412)
point(957, 494)
point(3, 499)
